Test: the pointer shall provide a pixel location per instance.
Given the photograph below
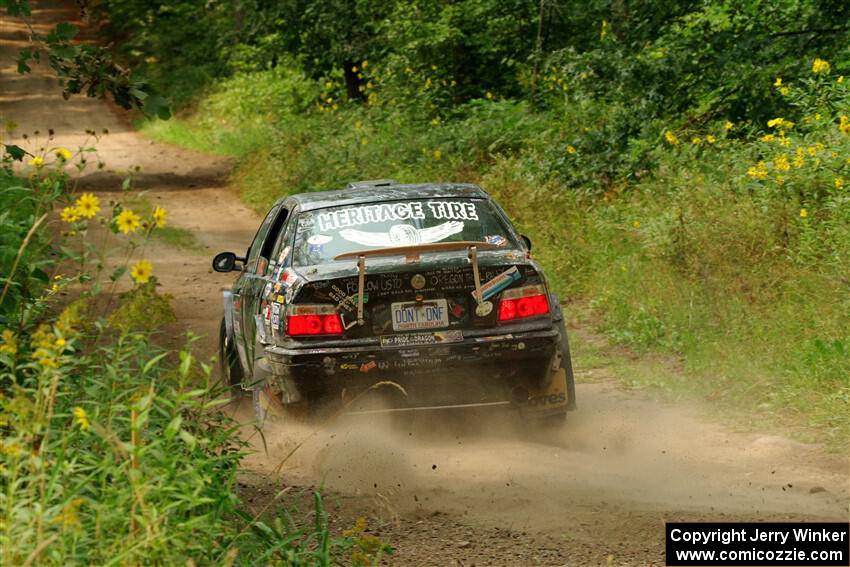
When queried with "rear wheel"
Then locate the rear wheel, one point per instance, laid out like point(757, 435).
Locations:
point(228, 360)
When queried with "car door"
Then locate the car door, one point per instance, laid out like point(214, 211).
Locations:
point(254, 281)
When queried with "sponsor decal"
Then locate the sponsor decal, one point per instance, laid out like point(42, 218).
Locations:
point(391, 212)
point(416, 339)
point(496, 240)
point(556, 398)
point(484, 308)
point(457, 310)
point(403, 235)
point(498, 283)
point(283, 254)
point(319, 239)
point(368, 366)
point(311, 309)
point(345, 302)
point(525, 291)
point(275, 315)
point(417, 281)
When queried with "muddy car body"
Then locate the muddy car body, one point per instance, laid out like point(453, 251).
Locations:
point(424, 294)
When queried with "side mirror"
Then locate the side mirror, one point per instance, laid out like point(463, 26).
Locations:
point(226, 262)
point(527, 241)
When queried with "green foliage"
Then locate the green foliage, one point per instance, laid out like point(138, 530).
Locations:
point(143, 309)
point(113, 450)
point(82, 68)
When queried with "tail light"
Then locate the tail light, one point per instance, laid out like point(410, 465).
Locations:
point(307, 320)
point(523, 302)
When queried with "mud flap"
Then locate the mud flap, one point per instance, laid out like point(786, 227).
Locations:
point(552, 397)
point(556, 394)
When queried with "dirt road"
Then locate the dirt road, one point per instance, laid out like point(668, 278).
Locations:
point(460, 491)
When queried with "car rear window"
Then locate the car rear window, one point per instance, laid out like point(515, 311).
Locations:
point(325, 233)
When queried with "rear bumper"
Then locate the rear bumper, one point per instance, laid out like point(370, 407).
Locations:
point(478, 369)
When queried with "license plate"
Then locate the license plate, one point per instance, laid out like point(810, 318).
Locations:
point(432, 314)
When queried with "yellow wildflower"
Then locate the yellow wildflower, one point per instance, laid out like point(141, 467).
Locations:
point(62, 153)
point(141, 271)
point(812, 150)
point(37, 161)
point(780, 180)
point(9, 344)
point(60, 343)
point(636, 224)
point(710, 139)
point(840, 79)
point(767, 138)
point(785, 91)
point(88, 205)
point(363, 141)
point(758, 171)
point(780, 123)
point(438, 154)
point(696, 141)
point(69, 518)
point(780, 162)
point(364, 64)
point(803, 213)
point(820, 66)
point(42, 337)
point(799, 157)
point(159, 215)
point(728, 125)
point(777, 82)
point(604, 31)
point(844, 124)
point(839, 182)
point(12, 449)
point(70, 214)
point(81, 418)
point(45, 359)
point(571, 149)
point(671, 138)
point(127, 221)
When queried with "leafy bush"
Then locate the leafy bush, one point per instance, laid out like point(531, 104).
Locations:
point(113, 450)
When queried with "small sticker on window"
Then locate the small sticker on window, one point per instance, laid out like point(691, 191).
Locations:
point(319, 239)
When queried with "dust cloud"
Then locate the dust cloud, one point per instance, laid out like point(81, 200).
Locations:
point(619, 453)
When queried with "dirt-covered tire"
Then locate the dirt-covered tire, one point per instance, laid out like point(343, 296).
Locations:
point(228, 361)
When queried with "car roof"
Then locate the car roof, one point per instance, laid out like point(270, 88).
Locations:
point(382, 191)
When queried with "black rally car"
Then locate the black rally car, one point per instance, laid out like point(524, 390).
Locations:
point(422, 296)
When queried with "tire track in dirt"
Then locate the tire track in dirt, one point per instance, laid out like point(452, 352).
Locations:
point(448, 490)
